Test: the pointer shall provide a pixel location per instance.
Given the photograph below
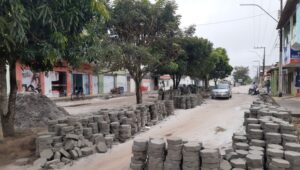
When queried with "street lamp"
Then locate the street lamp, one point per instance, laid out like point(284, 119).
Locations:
point(280, 49)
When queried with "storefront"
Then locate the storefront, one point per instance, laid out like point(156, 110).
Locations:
point(59, 82)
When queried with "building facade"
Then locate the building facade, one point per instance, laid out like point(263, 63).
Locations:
point(289, 23)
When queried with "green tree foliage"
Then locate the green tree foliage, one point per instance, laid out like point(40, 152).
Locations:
point(39, 33)
point(242, 73)
point(222, 68)
point(193, 53)
point(135, 29)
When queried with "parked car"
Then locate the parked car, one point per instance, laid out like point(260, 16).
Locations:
point(221, 91)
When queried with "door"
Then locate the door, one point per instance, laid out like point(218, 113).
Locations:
point(86, 84)
point(95, 85)
point(122, 82)
point(108, 83)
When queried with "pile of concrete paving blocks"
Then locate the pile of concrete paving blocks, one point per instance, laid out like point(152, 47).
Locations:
point(173, 154)
point(187, 101)
point(270, 140)
point(74, 137)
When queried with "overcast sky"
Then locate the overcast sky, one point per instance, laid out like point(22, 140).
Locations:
point(238, 29)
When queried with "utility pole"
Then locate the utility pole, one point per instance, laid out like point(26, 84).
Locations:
point(280, 57)
point(263, 62)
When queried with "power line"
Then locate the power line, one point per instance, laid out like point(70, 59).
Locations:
point(232, 20)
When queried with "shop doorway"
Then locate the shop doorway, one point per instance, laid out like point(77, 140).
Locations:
point(81, 81)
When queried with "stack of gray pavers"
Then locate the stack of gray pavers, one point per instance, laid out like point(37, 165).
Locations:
point(174, 154)
point(191, 156)
point(270, 142)
point(187, 101)
point(169, 107)
point(156, 154)
point(76, 136)
point(211, 159)
point(139, 151)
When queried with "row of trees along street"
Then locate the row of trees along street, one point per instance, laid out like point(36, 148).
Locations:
point(136, 35)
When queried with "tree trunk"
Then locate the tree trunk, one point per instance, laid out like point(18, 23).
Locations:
point(138, 92)
point(178, 78)
point(206, 82)
point(3, 94)
point(9, 118)
point(215, 80)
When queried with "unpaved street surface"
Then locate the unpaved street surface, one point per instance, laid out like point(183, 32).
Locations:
point(212, 123)
point(92, 105)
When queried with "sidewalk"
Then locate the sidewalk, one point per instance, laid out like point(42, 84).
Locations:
point(291, 103)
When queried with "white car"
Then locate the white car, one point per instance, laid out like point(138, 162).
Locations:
point(221, 91)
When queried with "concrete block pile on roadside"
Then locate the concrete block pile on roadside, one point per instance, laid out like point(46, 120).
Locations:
point(74, 137)
point(173, 154)
point(183, 99)
point(270, 140)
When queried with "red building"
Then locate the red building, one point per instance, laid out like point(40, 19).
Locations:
point(59, 82)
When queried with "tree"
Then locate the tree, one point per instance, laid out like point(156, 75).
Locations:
point(192, 54)
point(241, 73)
point(38, 34)
point(135, 27)
point(222, 67)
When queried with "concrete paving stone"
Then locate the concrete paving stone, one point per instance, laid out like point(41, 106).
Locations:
point(140, 145)
point(292, 157)
point(275, 146)
point(238, 163)
point(192, 146)
point(238, 169)
point(290, 138)
point(136, 166)
point(256, 142)
point(47, 154)
point(280, 163)
point(69, 144)
point(157, 144)
point(174, 140)
point(275, 153)
point(211, 153)
point(273, 138)
point(241, 146)
point(231, 155)
point(292, 147)
point(57, 155)
point(225, 165)
point(109, 141)
point(242, 153)
point(254, 161)
point(54, 161)
point(254, 126)
point(72, 136)
point(96, 138)
point(74, 154)
point(86, 151)
point(228, 150)
point(252, 121)
point(66, 160)
point(256, 152)
point(21, 161)
point(101, 147)
point(211, 165)
point(64, 153)
point(256, 148)
point(273, 167)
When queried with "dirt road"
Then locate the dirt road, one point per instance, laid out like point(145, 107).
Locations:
point(212, 123)
point(95, 104)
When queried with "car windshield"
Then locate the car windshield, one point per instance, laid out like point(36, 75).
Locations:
point(222, 86)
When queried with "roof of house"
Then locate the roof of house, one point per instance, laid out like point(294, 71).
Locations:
point(287, 12)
